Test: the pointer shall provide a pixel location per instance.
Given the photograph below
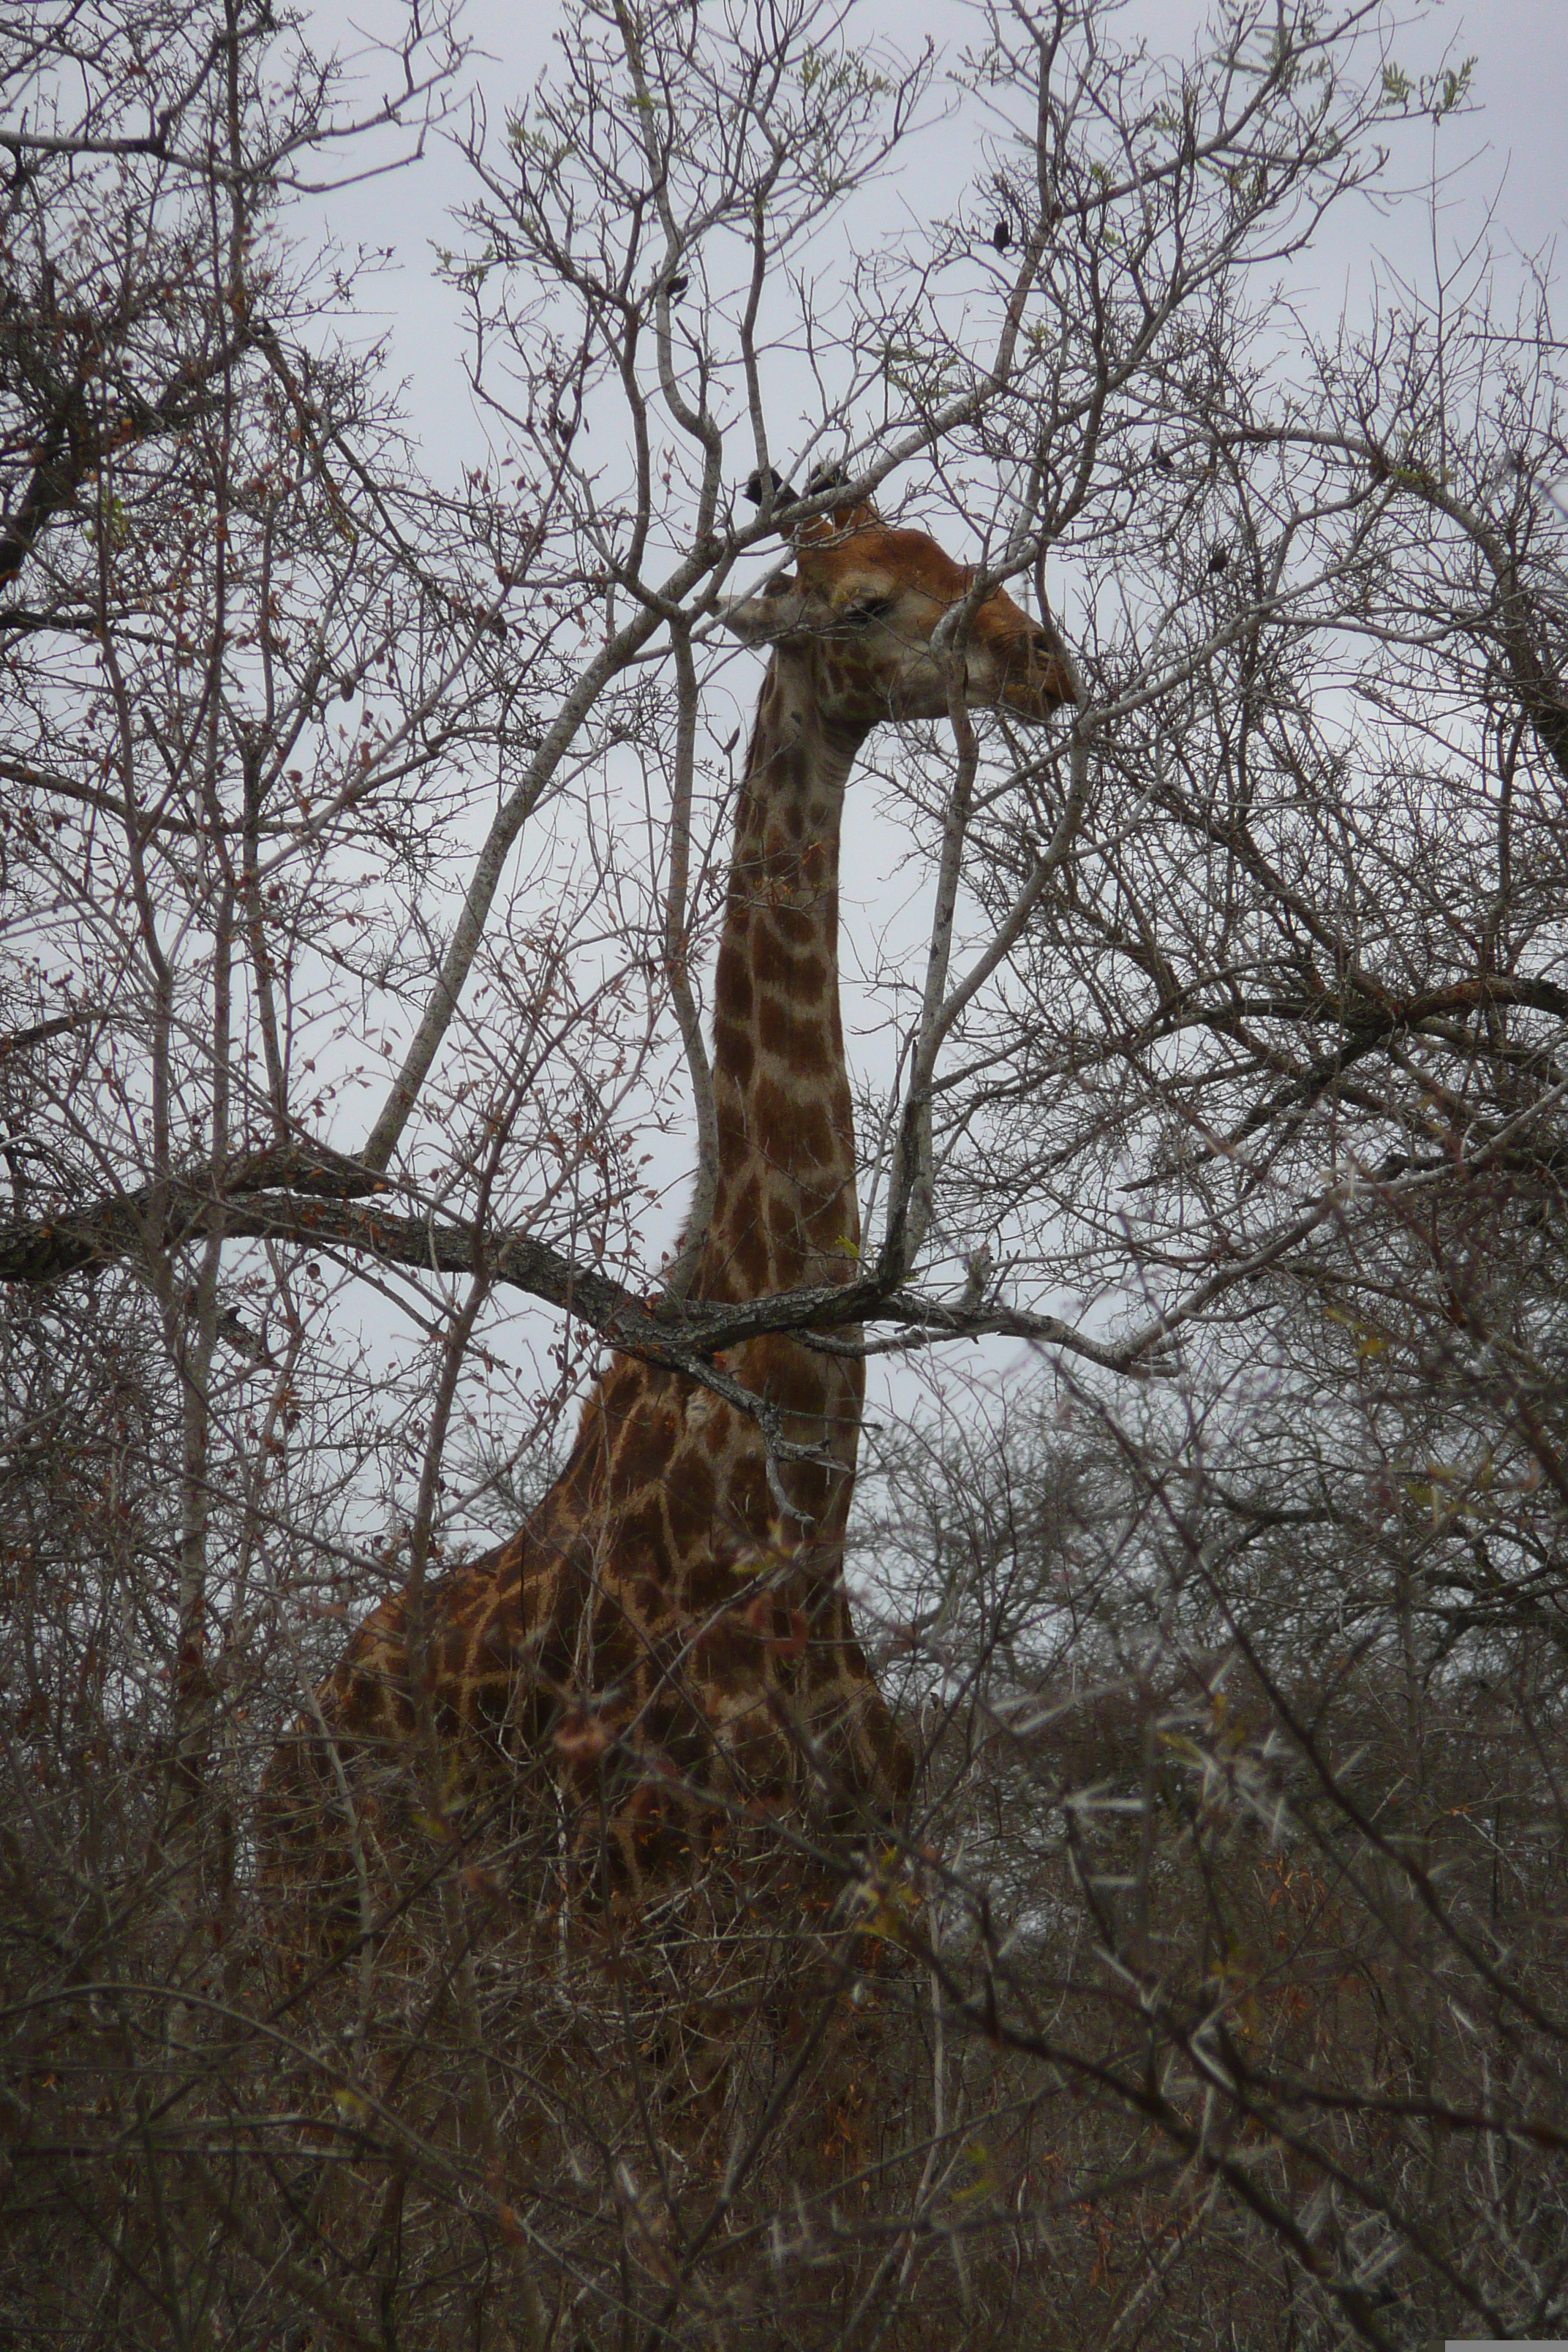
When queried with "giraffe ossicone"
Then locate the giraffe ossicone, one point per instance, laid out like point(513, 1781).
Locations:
point(670, 1628)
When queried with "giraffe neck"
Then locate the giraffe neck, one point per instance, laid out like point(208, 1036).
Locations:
point(785, 1211)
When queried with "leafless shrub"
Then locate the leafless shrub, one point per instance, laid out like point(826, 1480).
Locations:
point(364, 844)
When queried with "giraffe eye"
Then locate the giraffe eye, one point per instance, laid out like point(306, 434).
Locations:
point(866, 609)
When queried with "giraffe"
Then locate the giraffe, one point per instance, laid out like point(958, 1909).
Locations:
point(670, 1628)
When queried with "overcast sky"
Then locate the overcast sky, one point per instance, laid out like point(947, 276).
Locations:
point(1504, 159)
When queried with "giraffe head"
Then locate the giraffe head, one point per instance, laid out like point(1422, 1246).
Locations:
point(865, 608)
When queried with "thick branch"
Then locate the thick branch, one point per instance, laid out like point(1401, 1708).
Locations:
point(324, 1209)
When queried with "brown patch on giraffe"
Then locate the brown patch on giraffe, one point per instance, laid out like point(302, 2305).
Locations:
point(639, 1533)
point(711, 1585)
point(831, 1223)
point(676, 1729)
point(619, 1649)
point(732, 1050)
point(749, 1262)
point(749, 1501)
point(644, 1446)
point(395, 1715)
point(509, 1558)
point(623, 1393)
point(775, 1123)
point(819, 1153)
point(495, 1646)
point(795, 931)
point(794, 1033)
point(725, 1652)
point(718, 1430)
point(636, 1464)
point(648, 1600)
point(738, 1204)
point(731, 1121)
point(732, 985)
point(447, 1655)
point(789, 963)
point(740, 1235)
point(691, 1498)
point(785, 1229)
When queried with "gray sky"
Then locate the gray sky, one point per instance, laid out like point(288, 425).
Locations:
point(1502, 160)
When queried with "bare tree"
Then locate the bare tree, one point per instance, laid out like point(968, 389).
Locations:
point(364, 844)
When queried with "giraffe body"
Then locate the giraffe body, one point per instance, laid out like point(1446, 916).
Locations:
point(671, 1625)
